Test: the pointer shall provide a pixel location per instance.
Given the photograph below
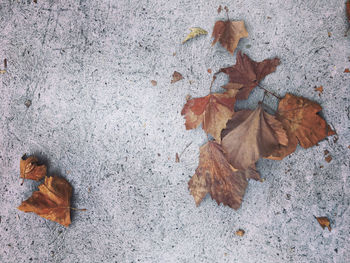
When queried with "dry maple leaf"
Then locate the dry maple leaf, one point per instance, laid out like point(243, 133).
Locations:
point(246, 74)
point(302, 123)
point(217, 177)
point(250, 135)
point(30, 169)
point(213, 111)
point(195, 32)
point(228, 33)
point(52, 201)
point(176, 77)
point(324, 222)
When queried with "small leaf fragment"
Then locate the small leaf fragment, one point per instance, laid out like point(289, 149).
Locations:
point(240, 232)
point(347, 70)
point(328, 158)
point(195, 31)
point(30, 168)
point(219, 9)
point(177, 158)
point(319, 89)
point(176, 77)
point(324, 222)
point(154, 83)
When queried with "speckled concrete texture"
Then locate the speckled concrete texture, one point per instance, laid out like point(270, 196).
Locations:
point(97, 120)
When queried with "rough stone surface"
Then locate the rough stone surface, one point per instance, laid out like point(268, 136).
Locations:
point(95, 117)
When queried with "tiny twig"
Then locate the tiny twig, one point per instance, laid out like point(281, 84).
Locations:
point(226, 9)
point(77, 209)
point(273, 94)
point(188, 145)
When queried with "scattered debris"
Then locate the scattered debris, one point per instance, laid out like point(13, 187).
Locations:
point(319, 89)
point(28, 103)
point(240, 232)
point(176, 77)
point(177, 158)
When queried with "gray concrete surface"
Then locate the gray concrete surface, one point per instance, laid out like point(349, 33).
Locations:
point(86, 67)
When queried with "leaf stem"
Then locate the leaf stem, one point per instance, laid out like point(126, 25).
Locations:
point(211, 84)
point(188, 145)
point(77, 209)
point(273, 94)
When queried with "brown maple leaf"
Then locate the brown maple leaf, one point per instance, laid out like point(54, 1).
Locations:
point(228, 33)
point(213, 111)
point(217, 177)
point(250, 135)
point(52, 201)
point(30, 169)
point(246, 74)
point(300, 119)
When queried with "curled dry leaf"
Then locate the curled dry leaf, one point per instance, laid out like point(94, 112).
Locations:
point(246, 74)
point(217, 177)
point(250, 135)
point(228, 33)
point(324, 222)
point(213, 111)
point(52, 201)
point(30, 168)
point(300, 119)
point(176, 77)
point(195, 32)
point(240, 232)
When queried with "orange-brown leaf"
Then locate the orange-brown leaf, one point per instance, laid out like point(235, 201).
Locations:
point(246, 73)
point(212, 111)
point(228, 33)
point(251, 135)
point(303, 124)
point(348, 10)
point(52, 201)
point(217, 177)
point(30, 169)
point(324, 222)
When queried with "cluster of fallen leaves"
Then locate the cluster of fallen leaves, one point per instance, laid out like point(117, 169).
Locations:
point(242, 137)
point(52, 201)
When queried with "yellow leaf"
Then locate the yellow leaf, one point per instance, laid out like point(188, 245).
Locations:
point(195, 31)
